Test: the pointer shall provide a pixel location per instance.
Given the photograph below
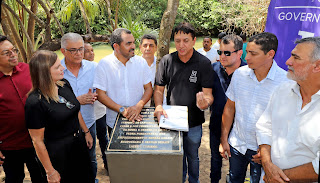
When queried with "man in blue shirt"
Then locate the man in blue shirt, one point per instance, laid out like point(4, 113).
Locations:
point(230, 59)
point(80, 74)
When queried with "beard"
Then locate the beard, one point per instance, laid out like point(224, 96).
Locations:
point(298, 75)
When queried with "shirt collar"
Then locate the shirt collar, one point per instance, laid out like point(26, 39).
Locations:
point(63, 63)
point(14, 70)
point(118, 61)
point(271, 74)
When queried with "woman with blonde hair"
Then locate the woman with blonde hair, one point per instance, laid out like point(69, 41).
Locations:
point(54, 120)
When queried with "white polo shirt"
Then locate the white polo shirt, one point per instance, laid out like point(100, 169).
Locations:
point(251, 98)
point(122, 83)
point(292, 132)
point(212, 54)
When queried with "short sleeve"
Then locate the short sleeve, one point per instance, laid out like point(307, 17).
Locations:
point(34, 112)
point(315, 163)
point(160, 74)
point(207, 76)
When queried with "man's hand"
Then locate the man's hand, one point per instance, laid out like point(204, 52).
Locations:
point(257, 158)
point(160, 111)
point(133, 113)
point(88, 98)
point(202, 102)
point(89, 140)
point(274, 173)
point(225, 148)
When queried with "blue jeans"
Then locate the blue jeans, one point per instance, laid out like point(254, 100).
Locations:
point(92, 151)
point(191, 144)
point(216, 158)
point(238, 166)
point(102, 136)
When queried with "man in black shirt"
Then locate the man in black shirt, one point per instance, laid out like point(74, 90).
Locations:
point(188, 76)
point(230, 59)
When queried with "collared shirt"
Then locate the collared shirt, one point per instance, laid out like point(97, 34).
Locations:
point(81, 85)
point(251, 98)
point(124, 84)
point(212, 54)
point(184, 81)
point(13, 94)
point(219, 89)
point(292, 131)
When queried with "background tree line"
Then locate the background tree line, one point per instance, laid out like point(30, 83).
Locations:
point(33, 24)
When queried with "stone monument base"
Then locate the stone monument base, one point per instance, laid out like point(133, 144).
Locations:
point(145, 168)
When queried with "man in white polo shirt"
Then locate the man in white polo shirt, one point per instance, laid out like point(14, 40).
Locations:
point(288, 130)
point(207, 51)
point(123, 80)
point(248, 95)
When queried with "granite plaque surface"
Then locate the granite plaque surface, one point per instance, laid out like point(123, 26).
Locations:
point(145, 135)
point(143, 152)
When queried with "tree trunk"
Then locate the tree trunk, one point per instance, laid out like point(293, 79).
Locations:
point(116, 16)
point(166, 26)
point(55, 18)
point(48, 19)
point(109, 15)
point(12, 32)
point(32, 21)
point(85, 17)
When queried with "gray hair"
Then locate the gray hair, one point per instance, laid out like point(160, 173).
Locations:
point(315, 55)
point(73, 37)
point(116, 36)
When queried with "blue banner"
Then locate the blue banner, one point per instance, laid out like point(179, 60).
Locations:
point(290, 20)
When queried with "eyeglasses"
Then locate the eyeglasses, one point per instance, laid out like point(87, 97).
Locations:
point(74, 50)
point(10, 52)
point(62, 100)
point(226, 53)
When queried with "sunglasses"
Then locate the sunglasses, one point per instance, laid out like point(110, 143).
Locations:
point(62, 100)
point(226, 53)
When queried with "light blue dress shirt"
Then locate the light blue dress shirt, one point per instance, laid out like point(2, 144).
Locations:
point(81, 85)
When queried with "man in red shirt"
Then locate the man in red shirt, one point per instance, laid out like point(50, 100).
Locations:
point(15, 143)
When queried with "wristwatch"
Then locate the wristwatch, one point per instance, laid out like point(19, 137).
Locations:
point(122, 109)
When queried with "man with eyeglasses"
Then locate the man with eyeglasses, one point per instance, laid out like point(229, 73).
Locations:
point(230, 59)
point(207, 51)
point(80, 74)
point(248, 94)
point(16, 147)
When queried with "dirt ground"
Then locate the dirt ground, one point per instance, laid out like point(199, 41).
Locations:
point(204, 152)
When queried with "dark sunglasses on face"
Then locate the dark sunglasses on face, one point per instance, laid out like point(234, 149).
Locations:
point(226, 53)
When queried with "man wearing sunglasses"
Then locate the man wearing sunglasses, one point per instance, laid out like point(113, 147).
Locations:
point(80, 74)
point(16, 147)
point(248, 94)
point(230, 59)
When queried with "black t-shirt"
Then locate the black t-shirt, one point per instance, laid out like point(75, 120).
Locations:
point(57, 119)
point(184, 81)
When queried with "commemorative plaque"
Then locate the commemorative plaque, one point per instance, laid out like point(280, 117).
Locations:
point(143, 152)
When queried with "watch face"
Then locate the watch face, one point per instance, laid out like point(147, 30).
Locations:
point(121, 110)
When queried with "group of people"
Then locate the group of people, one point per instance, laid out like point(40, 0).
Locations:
point(51, 111)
